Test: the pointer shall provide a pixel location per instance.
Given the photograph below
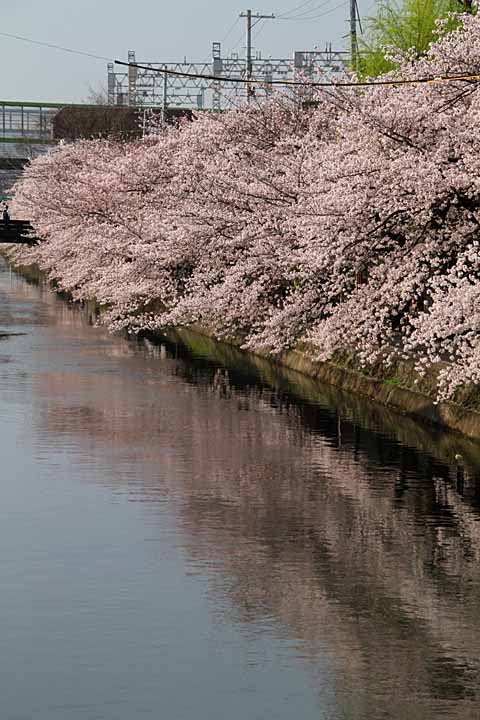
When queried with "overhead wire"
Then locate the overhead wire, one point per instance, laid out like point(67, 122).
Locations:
point(315, 17)
point(225, 37)
point(260, 29)
point(306, 12)
point(234, 47)
point(229, 98)
point(466, 77)
point(230, 30)
point(294, 9)
point(56, 47)
point(358, 16)
point(242, 36)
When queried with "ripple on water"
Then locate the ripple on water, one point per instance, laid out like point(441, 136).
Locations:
point(181, 539)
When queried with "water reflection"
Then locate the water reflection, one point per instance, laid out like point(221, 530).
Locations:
point(331, 524)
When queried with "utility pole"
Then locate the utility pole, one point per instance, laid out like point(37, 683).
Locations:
point(353, 33)
point(248, 57)
point(165, 94)
point(354, 18)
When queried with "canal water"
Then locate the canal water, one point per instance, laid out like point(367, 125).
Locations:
point(184, 540)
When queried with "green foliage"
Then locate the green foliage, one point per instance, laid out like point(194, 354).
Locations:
point(407, 27)
point(393, 381)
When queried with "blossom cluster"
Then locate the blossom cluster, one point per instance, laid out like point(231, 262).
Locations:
point(350, 221)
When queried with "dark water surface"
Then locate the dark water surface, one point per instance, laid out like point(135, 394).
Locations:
point(182, 542)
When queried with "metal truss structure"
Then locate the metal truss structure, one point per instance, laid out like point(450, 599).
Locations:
point(26, 121)
point(152, 88)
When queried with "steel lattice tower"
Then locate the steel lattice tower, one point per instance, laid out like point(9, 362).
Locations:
point(151, 88)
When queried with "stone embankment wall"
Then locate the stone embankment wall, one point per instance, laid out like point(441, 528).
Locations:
point(388, 388)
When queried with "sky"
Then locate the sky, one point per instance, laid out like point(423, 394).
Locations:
point(158, 31)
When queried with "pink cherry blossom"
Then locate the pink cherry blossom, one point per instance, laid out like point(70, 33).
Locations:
point(351, 224)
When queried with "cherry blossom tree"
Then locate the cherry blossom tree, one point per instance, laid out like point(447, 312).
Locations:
point(352, 223)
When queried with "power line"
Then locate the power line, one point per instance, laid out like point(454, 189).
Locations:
point(358, 17)
point(230, 30)
point(292, 19)
point(294, 9)
point(227, 35)
point(314, 17)
point(260, 30)
point(294, 83)
point(308, 12)
point(249, 16)
point(234, 47)
point(55, 47)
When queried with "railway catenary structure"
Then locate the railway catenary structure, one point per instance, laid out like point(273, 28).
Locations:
point(149, 86)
